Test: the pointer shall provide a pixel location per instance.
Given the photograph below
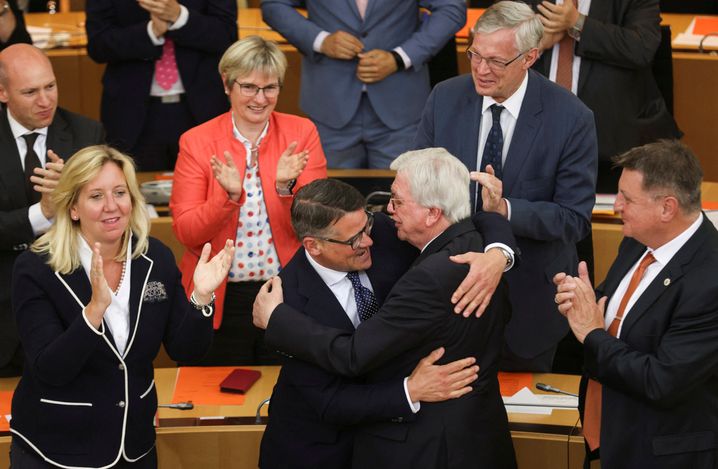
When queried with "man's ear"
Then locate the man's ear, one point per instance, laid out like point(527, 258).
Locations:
point(433, 216)
point(4, 98)
point(530, 57)
point(670, 208)
point(312, 246)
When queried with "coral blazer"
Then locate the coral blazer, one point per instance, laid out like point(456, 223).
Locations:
point(202, 210)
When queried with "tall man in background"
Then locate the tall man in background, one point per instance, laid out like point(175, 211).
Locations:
point(602, 51)
point(364, 73)
point(535, 144)
point(34, 135)
point(161, 76)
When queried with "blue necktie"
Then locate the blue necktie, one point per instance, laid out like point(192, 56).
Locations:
point(494, 143)
point(365, 299)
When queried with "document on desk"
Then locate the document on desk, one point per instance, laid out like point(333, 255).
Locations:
point(526, 402)
point(696, 31)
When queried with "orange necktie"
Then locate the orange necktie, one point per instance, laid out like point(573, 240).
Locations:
point(564, 70)
point(592, 408)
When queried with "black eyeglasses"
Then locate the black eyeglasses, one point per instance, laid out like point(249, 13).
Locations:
point(355, 241)
point(494, 65)
point(250, 90)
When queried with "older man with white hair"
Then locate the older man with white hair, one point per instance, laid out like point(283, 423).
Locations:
point(429, 206)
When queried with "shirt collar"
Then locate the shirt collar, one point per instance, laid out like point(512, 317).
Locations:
point(330, 276)
point(244, 140)
point(18, 130)
point(513, 103)
point(85, 252)
point(666, 252)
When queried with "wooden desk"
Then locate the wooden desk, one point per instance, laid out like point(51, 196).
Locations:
point(541, 441)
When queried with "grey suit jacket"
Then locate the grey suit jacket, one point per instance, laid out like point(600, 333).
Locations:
point(330, 91)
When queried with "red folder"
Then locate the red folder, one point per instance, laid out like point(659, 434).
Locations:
point(239, 381)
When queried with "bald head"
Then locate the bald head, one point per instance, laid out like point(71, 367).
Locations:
point(28, 86)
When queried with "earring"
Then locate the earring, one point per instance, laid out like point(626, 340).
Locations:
point(74, 217)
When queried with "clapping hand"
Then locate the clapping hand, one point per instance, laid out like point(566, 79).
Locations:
point(227, 175)
point(210, 273)
point(101, 294)
point(45, 181)
point(491, 191)
point(290, 164)
point(166, 10)
point(557, 18)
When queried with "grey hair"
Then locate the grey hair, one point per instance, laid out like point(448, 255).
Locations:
point(436, 179)
point(512, 15)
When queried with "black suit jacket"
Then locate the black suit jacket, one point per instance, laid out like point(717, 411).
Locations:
point(416, 318)
point(68, 133)
point(19, 34)
point(660, 378)
point(79, 402)
point(312, 412)
point(117, 35)
point(617, 46)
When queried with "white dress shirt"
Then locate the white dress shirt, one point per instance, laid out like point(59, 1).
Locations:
point(38, 222)
point(512, 109)
point(663, 255)
point(117, 315)
point(342, 289)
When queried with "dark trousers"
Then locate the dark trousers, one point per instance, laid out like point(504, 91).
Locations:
point(237, 341)
point(158, 144)
point(22, 457)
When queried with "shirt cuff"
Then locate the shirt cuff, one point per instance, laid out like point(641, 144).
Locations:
point(414, 406)
point(505, 248)
point(181, 19)
point(158, 41)
point(89, 324)
point(404, 57)
point(318, 41)
point(38, 222)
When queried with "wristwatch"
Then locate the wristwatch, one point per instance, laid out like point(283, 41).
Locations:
point(287, 189)
point(575, 30)
point(207, 309)
point(4, 8)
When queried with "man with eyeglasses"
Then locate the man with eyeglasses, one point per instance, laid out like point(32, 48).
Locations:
point(533, 147)
point(396, 326)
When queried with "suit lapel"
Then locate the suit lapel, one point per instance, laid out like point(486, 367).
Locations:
point(527, 128)
point(140, 274)
point(321, 304)
point(470, 146)
point(59, 136)
point(12, 174)
point(671, 273)
point(79, 287)
point(353, 7)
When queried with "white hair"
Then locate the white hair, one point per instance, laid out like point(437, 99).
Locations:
point(512, 15)
point(436, 179)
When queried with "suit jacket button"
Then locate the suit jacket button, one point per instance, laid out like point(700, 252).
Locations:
point(364, 34)
point(397, 420)
point(121, 367)
point(121, 404)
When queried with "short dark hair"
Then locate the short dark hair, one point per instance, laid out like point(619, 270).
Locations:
point(667, 165)
point(320, 204)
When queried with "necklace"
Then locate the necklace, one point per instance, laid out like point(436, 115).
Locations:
point(122, 277)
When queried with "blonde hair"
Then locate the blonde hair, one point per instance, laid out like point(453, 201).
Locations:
point(252, 54)
point(60, 243)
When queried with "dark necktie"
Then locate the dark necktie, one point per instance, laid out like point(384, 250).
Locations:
point(365, 299)
point(594, 390)
point(494, 143)
point(31, 162)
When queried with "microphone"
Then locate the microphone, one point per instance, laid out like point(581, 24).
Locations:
point(258, 416)
point(179, 406)
point(549, 388)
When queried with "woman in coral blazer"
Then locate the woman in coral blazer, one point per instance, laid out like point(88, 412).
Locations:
point(234, 179)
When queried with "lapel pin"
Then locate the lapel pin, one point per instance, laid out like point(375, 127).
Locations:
point(667, 282)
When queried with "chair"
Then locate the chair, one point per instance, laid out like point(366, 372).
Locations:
point(709, 191)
